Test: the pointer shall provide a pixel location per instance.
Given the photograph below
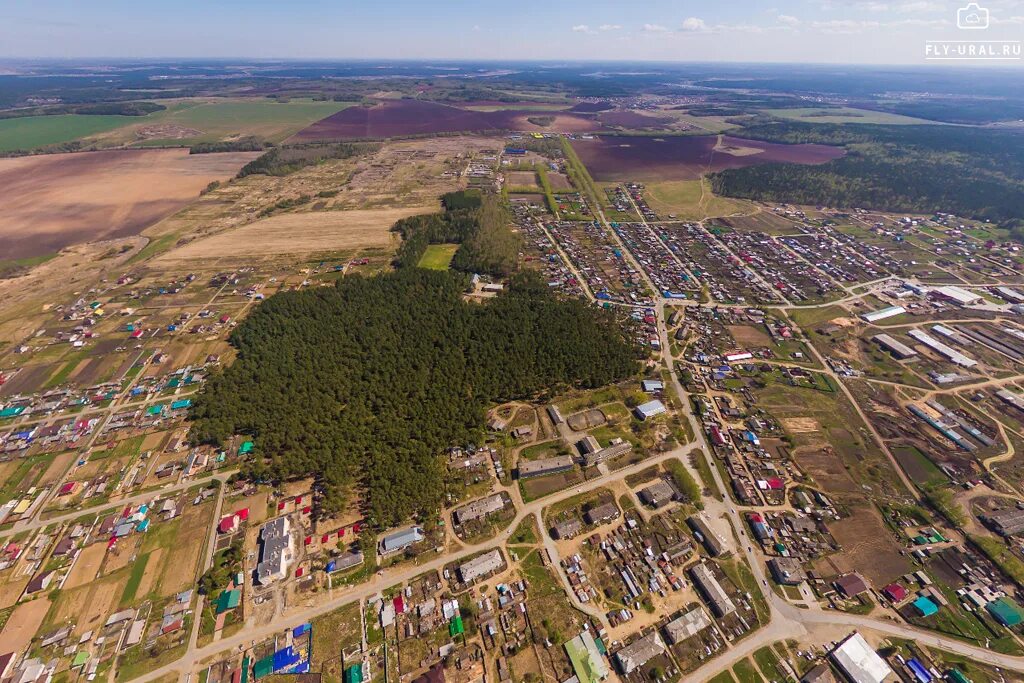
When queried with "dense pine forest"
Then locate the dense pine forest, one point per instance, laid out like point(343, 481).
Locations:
point(971, 172)
point(364, 385)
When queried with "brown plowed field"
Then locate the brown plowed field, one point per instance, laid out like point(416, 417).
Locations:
point(395, 118)
point(612, 158)
point(55, 200)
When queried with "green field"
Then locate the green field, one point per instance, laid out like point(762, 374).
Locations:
point(686, 200)
point(31, 132)
point(844, 115)
point(438, 256)
point(213, 119)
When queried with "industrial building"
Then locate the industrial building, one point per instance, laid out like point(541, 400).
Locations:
point(639, 652)
point(539, 468)
point(1011, 398)
point(400, 540)
point(720, 602)
point(882, 314)
point(859, 662)
point(1008, 522)
point(645, 411)
point(894, 346)
point(950, 353)
point(958, 295)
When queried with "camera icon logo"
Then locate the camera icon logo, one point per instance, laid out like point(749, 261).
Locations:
point(972, 17)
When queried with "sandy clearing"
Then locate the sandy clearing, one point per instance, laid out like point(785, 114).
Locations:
point(23, 624)
point(87, 566)
point(56, 200)
point(800, 425)
point(301, 233)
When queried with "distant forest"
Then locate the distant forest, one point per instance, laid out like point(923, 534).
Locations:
point(971, 172)
point(478, 223)
point(365, 384)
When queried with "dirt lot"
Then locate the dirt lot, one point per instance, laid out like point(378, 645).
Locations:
point(86, 566)
point(23, 624)
point(746, 335)
point(297, 233)
point(868, 548)
point(55, 200)
point(89, 605)
point(188, 547)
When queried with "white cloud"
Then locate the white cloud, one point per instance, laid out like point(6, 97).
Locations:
point(476, 27)
point(844, 26)
point(608, 27)
point(655, 28)
point(694, 25)
point(581, 28)
point(787, 20)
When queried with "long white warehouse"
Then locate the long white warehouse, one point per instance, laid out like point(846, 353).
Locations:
point(952, 354)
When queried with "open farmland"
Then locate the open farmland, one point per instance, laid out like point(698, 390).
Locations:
point(612, 158)
point(414, 117)
point(207, 120)
point(301, 233)
point(32, 132)
point(57, 200)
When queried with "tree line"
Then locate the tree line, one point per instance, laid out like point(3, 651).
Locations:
point(363, 385)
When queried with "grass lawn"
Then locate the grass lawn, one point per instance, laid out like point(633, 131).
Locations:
point(11, 266)
point(30, 132)
point(745, 672)
point(685, 200)
point(438, 256)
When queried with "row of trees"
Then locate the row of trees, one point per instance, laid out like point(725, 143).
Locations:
point(363, 385)
point(972, 172)
point(281, 161)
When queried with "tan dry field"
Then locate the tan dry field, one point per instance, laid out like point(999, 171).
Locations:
point(87, 606)
point(55, 200)
point(11, 590)
point(868, 548)
point(57, 468)
point(149, 576)
point(300, 233)
point(121, 555)
point(23, 624)
point(87, 566)
point(800, 425)
point(180, 574)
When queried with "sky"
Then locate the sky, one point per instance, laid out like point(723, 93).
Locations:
point(800, 31)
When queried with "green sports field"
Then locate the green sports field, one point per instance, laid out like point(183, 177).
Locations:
point(438, 256)
point(31, 132)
